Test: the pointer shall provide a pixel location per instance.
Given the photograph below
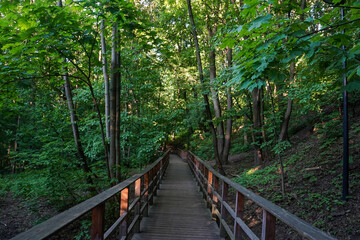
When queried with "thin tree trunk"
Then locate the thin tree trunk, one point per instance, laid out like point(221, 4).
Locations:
point(74, 121)
point(106, 79)
point(275, 134)
point(13, 165)
point(17, 127)
point(205, 96)
point(118, 114)
point(285, 123)
point(115, 79)
point(257, 126)
point(136, 102)
point(214, 94)
point(105, 145)
point(123, 151)
point(246, 140)
point(265, 150)
point(229, 103)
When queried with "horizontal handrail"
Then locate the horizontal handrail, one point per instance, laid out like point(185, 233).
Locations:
point(145, 185)
point(215, 190)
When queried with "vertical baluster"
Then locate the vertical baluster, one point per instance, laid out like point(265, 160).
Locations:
point(124, 208)
point(203, 177)
point(209, 191)
point(151, 186)
point(268, 226)
point(138, 205)
point(161, 168)
point(146, 194)
point(205, 173)
point(214, 197)
point(204, 181)
point(224, 213)
point(216, 188)
point(210, 183)
point(157, 176)
point(97, 228)
point(239, 212)
point(197, 167)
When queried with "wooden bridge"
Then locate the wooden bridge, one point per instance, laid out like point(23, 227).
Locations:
point(155, 205)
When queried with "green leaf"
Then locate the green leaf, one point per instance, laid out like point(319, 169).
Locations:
point(259, 21)
point(353, 86)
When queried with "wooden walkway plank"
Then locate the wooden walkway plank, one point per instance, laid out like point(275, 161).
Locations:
point(178, 212)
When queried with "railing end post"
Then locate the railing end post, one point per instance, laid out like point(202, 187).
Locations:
point(97, 228)
point(268, 226)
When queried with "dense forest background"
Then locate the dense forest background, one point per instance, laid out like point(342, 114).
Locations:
point(91, 91)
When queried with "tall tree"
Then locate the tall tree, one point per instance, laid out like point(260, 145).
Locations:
point(115, 104)
point(106, 78)
point(205, 96)
point(73, 117)
point(256, 98)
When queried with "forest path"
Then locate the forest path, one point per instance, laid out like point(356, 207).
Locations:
point(179, 211)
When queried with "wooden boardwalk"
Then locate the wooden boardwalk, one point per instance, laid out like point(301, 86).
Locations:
point(178, 212)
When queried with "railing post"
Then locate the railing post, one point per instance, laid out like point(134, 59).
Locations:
point(146, 194)
point(268, 226)
point(214, 197)
point(124, 207)
point(155, 179)
point(197, 167)
point(224, 196)
point(157, 174)
point(210, 193)
point(97, 228)
point(239, 213)
point(138, 205)
point(210, 182)
point(151, 186)
point(203, 181)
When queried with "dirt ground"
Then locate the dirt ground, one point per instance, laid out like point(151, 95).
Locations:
point(16, 216)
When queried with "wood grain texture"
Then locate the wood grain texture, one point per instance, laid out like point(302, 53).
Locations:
point(178, 211)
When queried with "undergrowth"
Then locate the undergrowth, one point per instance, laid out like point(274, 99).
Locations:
point(60, 189)
point(313, 180)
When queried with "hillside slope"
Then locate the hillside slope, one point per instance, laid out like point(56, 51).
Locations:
point(313, 179)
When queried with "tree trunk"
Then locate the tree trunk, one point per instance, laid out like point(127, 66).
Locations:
point(227, 143)
point(105, 145)
point(205, 96)
point(74, 121)
point(136, 102)
point(106, 79)
point(246, 140)
point(13, 164)
point(214, 94)
point(118, 114)
point(285, 123)
point(257, 126)
point(114, 96)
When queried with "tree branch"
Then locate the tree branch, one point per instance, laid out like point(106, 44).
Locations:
point(72, 62)
point(329, 28)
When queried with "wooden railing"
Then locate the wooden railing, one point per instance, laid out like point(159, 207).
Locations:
point(215, 188)
point(145, 185)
